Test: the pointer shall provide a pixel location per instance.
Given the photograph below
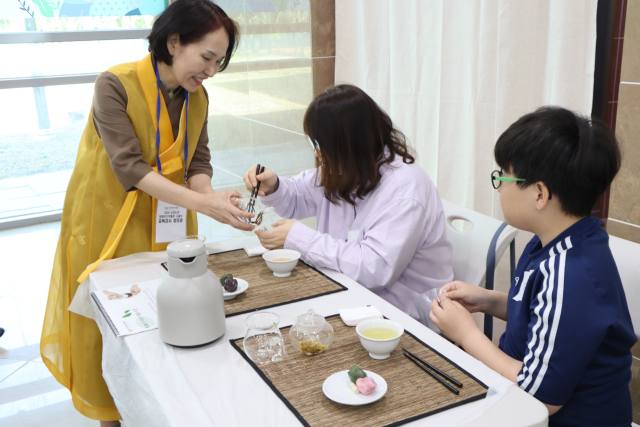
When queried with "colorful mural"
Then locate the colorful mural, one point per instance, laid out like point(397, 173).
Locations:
point(16, 9)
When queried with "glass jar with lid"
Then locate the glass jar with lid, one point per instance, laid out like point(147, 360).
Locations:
point(311, 333)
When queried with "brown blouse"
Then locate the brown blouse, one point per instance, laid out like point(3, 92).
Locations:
point(114, 127)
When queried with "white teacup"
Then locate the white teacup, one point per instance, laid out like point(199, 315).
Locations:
point(379, 349)
point(281, 268)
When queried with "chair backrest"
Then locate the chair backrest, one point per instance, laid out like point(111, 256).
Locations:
point(470, 248)
point(627, 257)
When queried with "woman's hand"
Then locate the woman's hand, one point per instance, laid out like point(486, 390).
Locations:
point(220, 207)
point(473, 298)
point(453, 319)
point(268, 179)
point(275, 238)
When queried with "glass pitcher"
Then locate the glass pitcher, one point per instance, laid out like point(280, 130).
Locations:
point(263, 341)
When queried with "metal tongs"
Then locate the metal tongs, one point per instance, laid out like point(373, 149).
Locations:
point(251, 206)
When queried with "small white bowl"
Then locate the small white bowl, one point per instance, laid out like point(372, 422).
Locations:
point(281, 268)
point(379, 349)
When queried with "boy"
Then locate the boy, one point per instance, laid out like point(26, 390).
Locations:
point(569, 333)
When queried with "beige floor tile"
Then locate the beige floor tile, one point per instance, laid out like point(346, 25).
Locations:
point(38, 359)
point(22, 320)
point(8, 367)
point(26, 256)
point(32, 397)
point(39, 290)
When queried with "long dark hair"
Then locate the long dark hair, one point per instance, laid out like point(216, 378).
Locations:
point(191, 20)
point(350, 132)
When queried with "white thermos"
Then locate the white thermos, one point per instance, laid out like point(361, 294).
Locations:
point(190, 301)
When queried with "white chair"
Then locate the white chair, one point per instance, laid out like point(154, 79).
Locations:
point(470, 247)
point(472, 263)
point(627, 257)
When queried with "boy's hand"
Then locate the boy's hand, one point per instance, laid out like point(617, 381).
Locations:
point(453, 319)
point(473, 298)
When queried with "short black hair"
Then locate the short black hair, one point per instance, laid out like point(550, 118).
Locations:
point(576, 157)
point(191, 20)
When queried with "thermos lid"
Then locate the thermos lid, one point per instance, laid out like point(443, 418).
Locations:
point(186, 248)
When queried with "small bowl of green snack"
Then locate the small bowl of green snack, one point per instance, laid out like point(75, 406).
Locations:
point(232, 286)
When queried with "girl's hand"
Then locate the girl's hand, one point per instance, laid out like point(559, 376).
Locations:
point(268, 179)
point(473, 298)
point(275, 238)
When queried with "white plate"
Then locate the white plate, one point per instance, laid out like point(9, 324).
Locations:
point(242, 286)
point(336, 388)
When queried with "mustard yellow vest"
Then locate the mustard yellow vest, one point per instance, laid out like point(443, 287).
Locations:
point(102, 221)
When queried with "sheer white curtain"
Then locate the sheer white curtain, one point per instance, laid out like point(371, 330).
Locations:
point(454, 74)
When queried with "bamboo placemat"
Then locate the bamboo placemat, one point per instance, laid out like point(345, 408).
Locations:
point(412, 394)
point(265, 289)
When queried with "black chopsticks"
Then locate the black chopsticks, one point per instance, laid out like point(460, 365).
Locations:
point(254, 192)
point(431, 370)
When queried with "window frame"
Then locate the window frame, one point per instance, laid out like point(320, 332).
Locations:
point(58, 37)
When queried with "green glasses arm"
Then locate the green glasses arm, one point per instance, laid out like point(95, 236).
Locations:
point(507, 179)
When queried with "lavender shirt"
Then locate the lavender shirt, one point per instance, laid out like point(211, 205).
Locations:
point(394, 242)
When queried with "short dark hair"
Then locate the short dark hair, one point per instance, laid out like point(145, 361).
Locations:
point(351, 132)
point(191, 20)
point(576, 157)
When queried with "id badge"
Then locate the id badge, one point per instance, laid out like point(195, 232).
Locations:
point(171, 222)
point(352, 235)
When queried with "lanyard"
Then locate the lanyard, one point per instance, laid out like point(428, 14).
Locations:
point(186, 128)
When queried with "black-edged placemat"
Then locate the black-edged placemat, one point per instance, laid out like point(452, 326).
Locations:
point(412, 394)
point(265, 289)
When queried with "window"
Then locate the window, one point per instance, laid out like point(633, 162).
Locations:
point(256, 105)
point(56, 49)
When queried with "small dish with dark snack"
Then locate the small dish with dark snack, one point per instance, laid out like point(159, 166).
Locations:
point(232, 286)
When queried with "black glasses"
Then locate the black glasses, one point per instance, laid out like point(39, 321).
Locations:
point(497, 179)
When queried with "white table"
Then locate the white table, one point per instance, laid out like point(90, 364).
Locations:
point(154, 384)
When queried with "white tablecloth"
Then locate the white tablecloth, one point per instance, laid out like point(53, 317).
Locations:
point(157, 385)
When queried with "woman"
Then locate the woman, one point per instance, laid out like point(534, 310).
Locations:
point(380, 219)
point(130, 173)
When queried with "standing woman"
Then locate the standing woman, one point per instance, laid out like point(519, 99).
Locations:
point(380, 218)
point(143, 152)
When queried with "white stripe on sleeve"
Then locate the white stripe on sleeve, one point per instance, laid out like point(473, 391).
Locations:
point(556, 316)
point(534, 338)
point(546, 301)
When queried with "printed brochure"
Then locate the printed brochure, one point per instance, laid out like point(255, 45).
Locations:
point(129, 309)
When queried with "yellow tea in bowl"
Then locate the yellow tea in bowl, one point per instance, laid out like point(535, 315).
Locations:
point(281, 259)
point(379, 333)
